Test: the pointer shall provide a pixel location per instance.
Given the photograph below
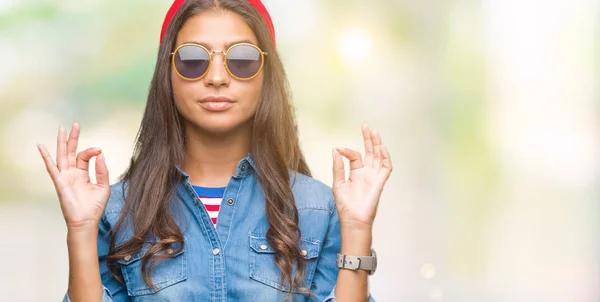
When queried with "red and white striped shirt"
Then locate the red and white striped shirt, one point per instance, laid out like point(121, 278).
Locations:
point(211, 198)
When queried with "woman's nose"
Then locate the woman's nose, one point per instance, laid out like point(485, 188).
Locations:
point(217, 74)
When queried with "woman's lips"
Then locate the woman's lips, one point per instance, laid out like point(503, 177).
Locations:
point(213, 103)
point(216, 106)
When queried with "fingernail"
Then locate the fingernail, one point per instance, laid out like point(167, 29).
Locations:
point(98, 149)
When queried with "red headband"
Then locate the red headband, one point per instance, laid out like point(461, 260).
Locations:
point(256, 3)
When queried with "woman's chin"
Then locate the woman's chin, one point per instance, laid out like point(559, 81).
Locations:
point(220, 127)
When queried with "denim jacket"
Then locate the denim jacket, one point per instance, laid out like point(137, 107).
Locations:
point(234, 261)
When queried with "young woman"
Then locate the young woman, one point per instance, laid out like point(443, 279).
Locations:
point(218, 203)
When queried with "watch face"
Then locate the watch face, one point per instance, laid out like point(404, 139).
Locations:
point(374, 262)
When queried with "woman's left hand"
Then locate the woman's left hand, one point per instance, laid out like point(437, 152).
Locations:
point(357, 197)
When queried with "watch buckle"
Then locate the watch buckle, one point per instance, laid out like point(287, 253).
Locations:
point(350, 265)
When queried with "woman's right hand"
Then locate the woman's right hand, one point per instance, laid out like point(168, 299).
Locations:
point(82, 202)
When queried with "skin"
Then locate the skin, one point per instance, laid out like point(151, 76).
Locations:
point(215, 142)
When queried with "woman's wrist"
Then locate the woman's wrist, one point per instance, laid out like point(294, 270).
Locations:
point(77, 237)
point(356, 242)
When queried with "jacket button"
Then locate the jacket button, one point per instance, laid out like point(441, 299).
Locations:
point(243, 168)
point(263, 247)
point(216, 251)
point(127, 258)
point(304, 252)
point(170, 251)
point(230, 201)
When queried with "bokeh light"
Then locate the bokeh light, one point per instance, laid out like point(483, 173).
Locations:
point(355, 45)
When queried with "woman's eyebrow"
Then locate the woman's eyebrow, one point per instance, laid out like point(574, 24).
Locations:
point(208, 46)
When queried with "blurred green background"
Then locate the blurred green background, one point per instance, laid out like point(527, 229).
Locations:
point(489, 109)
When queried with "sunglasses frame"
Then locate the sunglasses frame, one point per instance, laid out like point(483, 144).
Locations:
point(210, 60)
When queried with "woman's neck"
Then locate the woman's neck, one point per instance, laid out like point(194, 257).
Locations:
point(211, 159)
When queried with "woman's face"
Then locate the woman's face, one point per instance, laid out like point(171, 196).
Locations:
point(216, 30)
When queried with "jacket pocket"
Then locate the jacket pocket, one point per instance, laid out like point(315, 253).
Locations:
point(262, 262)
point(166, 273)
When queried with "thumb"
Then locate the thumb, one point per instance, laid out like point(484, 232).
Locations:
point(102, 171)
point(339, 174)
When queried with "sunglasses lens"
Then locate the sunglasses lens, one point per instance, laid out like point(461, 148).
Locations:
point(191, 61)
point(244, 61)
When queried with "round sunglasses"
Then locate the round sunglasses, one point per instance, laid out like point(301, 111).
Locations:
point(243, 61)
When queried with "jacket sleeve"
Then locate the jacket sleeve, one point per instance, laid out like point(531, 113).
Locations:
point(106, 296)
point(327, 272)
point(114, 291)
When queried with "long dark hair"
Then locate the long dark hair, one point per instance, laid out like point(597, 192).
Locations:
point(152, 176)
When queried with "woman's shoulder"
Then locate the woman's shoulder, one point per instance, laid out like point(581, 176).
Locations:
point(311, 193)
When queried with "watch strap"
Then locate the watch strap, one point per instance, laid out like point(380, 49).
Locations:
point(368, 263)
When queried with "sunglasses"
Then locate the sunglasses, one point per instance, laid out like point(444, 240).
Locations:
point(243, 61)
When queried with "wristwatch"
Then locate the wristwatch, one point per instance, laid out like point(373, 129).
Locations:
point(367, 263)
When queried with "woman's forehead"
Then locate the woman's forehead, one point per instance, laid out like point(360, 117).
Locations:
point(216, 29)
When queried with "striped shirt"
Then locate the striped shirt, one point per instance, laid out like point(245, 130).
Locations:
point(211, 199)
